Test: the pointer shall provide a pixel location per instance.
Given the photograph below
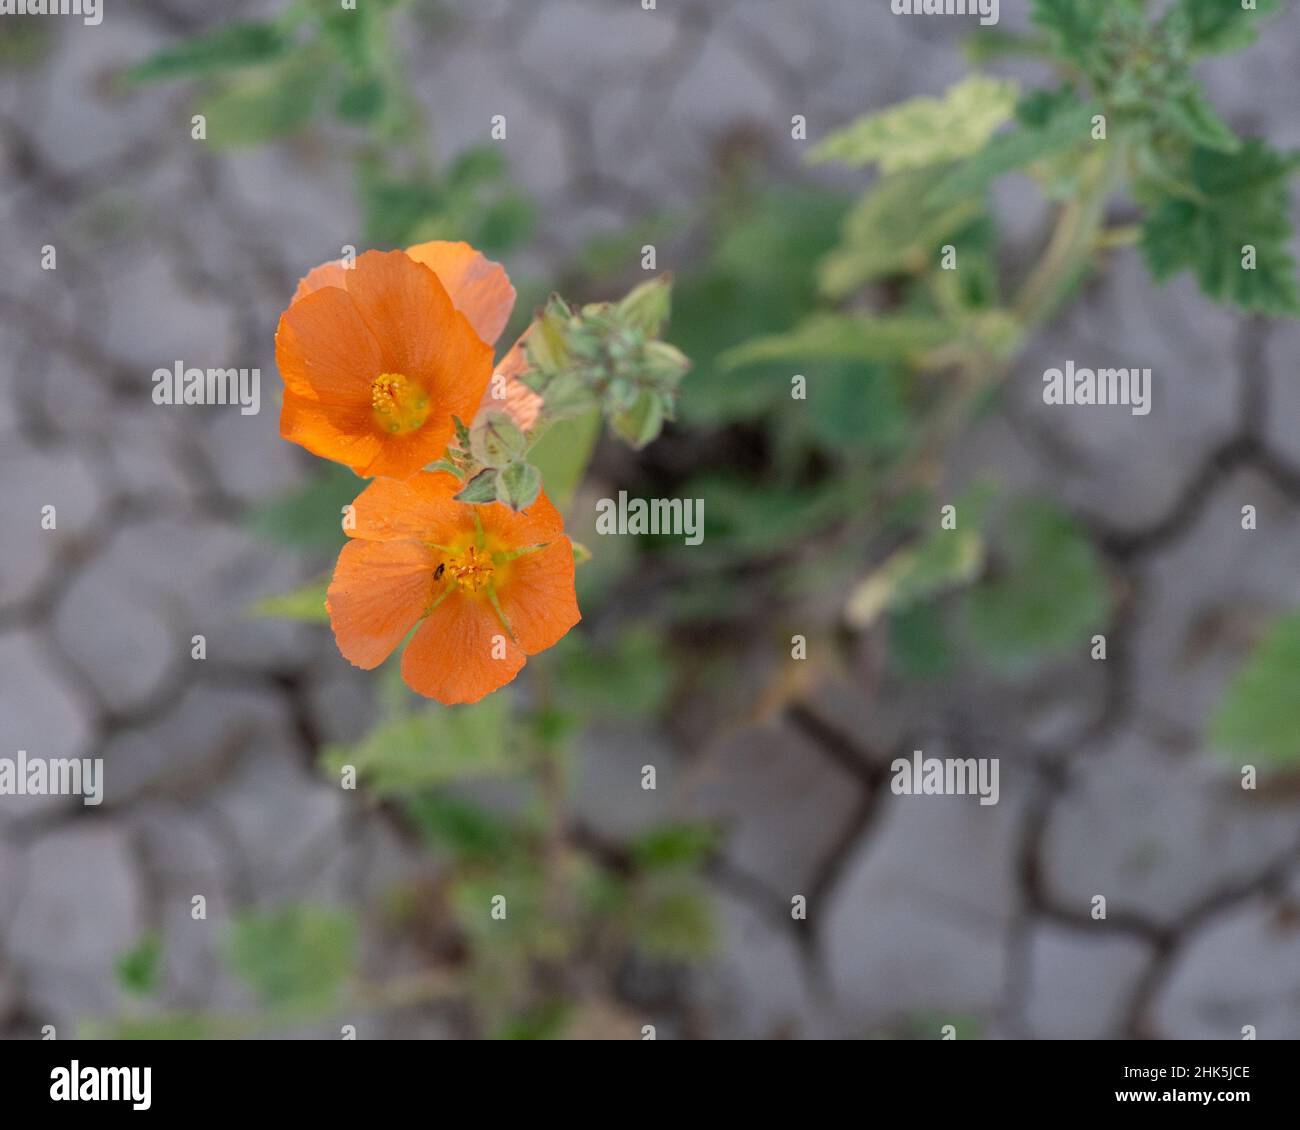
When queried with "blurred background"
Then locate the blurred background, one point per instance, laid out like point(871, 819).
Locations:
point(671, 907)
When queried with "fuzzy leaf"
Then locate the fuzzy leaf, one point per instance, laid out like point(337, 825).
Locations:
point(1072, 25)
point(235, 45)
point(432, 747)
point(925, 131)
point(1222, 25)
point(1046, 589)
point(518, 485)
point(496, 440)
point(1240, 199)
point(265, 103)
point(1048, 128)
point(945, 560)
point(1192, 115)
point(481, 488)
point(305, 603)
point(845, 337)
point(895, 228)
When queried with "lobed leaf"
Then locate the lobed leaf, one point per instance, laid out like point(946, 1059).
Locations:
point(923, 132)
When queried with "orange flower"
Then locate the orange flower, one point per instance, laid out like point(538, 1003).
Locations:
point(487, 587)
point(378, 358)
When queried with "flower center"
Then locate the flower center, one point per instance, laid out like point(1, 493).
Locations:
point(400, 405)
point(471, 568)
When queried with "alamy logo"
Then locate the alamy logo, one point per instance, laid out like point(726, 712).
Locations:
point(62, 776)
point(179, 385)
point(948, 776)
point(987, 10)
point(682, 517)
point(1098, 386)
point(102, 1084)
point(90, 11)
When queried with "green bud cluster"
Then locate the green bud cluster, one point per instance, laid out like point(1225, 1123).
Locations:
point(608, 355)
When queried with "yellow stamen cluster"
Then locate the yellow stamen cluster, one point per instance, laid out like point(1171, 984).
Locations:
point(400, 405)
point(471, 569)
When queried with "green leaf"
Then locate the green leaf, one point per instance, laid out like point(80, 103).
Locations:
point(295, 955)
point(306, 603)
point(899, 338)
point(1045, 590)
point(1259, 714)
point(432, 747)
point(496, 441)
point(735, 295)
point(562, 455)
point(394, 208)
point(918, 641)
point(857, 409)
point(1240, 200)
point(477, 166)
point(362, 100)
point(895, 228)
point(468, 830)
point(750, 518)
point(1067, 123)
point(1195, 118)
point(481, 488)
point(234, 45)
point(942, 561)
point(264, 104)
point(356, 33)
point(138, 969)
point(518, 485)
point(925, 131)
point(1222, 25)
point(1073, 26)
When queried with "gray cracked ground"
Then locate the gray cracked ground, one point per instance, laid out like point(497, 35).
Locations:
point(921, 911)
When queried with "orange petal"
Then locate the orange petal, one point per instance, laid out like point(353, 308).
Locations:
point(332, 273)
point(413, 318)
point(479, 288)
point(541, 522)
point(453, 655)
point(400, 457)
point(535, 589)
point(420, 508)
point(520, 402)
point(326, 351)
point(537, 595)
point(379, 591)
point(305, 422)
